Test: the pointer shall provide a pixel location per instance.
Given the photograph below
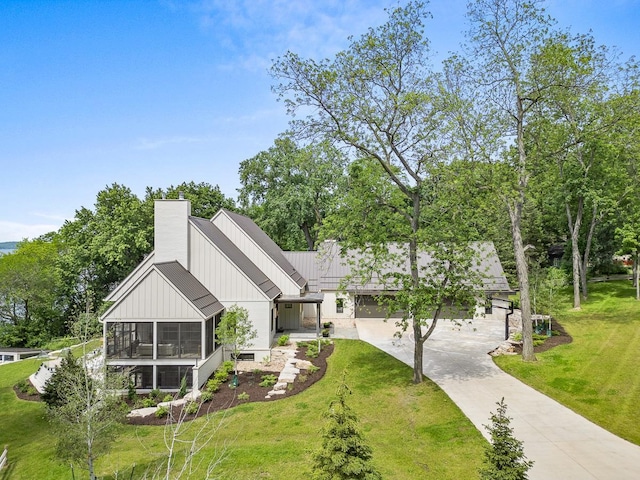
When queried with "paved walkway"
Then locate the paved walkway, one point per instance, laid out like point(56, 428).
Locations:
point(564, 445)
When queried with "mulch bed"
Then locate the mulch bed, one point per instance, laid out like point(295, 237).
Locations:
point(25, 396)
point(227, 397)
point(562, 338)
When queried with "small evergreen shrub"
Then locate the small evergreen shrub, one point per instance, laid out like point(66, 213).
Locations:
point(155, 393)
point(504, 458)
point(183, 387)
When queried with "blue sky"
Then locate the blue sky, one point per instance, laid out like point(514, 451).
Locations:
point(154, 93)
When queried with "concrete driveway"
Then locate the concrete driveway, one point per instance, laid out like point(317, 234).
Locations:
point(564, 445)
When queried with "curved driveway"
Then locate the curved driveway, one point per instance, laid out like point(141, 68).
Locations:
point(564, 445)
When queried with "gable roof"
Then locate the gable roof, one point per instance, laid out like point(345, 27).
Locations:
point(267, 245)
point(131, 279)
point(325, 269)
point(190, 287)
point(235, 255)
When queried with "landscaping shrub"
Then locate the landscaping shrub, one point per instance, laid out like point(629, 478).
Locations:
point(213, 385)
point(162, 412)
point(191, 408)
point(268, 380)
point(206, 396)
point(149, 402)
point(168, 398)
point(283, 340)
point(243, 396)
point(312, 369)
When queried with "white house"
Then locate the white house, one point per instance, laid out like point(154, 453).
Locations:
point(161, 324)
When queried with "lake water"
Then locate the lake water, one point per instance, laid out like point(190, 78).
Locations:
point(5, 250)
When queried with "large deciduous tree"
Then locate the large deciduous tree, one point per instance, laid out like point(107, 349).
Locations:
point(206, 199)
point(590, 93)
point(288, 185)
point(498, 79)
point(101, 246)
point(30, 285)
point(380, 99)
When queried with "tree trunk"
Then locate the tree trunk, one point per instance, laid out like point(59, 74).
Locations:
point(418, 341)
point(418, 351)
point(587, 252)
point(523, 281)
point(637, 275)
point(574, 229)
point(307, 236)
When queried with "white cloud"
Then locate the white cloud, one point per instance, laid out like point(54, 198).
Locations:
point(13, 231)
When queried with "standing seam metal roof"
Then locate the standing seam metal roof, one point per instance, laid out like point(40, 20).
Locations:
point(268, 245)
point(324, 269)
point(190, 287)
point(236, 256)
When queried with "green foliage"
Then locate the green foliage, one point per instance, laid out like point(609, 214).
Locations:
point(168, 398)
point(268, 380)
point(183, 387)
point(206, 396)
point(30, 287)
point(162, 412)
point(213, 385)
point(244, 396)
point(312, 350)
point(291, 185)
point(236, 332)
point(226, 366)
point(205, 199)
point(504, 459)
point(192, 408)
point(283, 340)
point(312, 369)
point(54, 391)
point(150, 402)
point(344, 454)
point(156, 394)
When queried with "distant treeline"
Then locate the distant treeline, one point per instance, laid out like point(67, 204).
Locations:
point(8, 245)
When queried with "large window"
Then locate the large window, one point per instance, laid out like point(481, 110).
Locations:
point(130, 340)
point(179, 339)
point(170, 376)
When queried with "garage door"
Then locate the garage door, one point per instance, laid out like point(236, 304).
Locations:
point(367, 307)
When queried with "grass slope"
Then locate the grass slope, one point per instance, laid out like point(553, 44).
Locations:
point(597, 374)
point(414, 431)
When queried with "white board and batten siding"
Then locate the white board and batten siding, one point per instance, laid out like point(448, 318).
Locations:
point(154, 298)
point(214, 270)
point(249, 247)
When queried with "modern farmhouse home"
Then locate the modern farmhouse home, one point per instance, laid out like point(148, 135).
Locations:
point(161, 323)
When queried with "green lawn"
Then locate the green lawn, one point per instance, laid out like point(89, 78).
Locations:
point(596, 375)
point(414, 431)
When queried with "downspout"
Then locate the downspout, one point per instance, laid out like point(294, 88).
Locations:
point(506, 320)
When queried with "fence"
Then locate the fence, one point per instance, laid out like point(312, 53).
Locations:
point(3, 457)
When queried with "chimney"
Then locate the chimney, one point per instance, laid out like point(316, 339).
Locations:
point(171, 230)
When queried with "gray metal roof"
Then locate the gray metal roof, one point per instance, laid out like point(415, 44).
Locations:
point(190, 287)
point(268, 246)
point(325, 268)
point(235, 255)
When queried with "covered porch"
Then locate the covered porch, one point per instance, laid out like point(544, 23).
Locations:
point(291, 315)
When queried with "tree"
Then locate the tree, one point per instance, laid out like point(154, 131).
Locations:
point(205, 199)
point(344, 454)
point(83, 405)
point(500, 88)
point(236, 332)
point(504, 459)
point(291, 185)
point(101, 247)
point(590, 95)
point(380, 100)
point(30, 285)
